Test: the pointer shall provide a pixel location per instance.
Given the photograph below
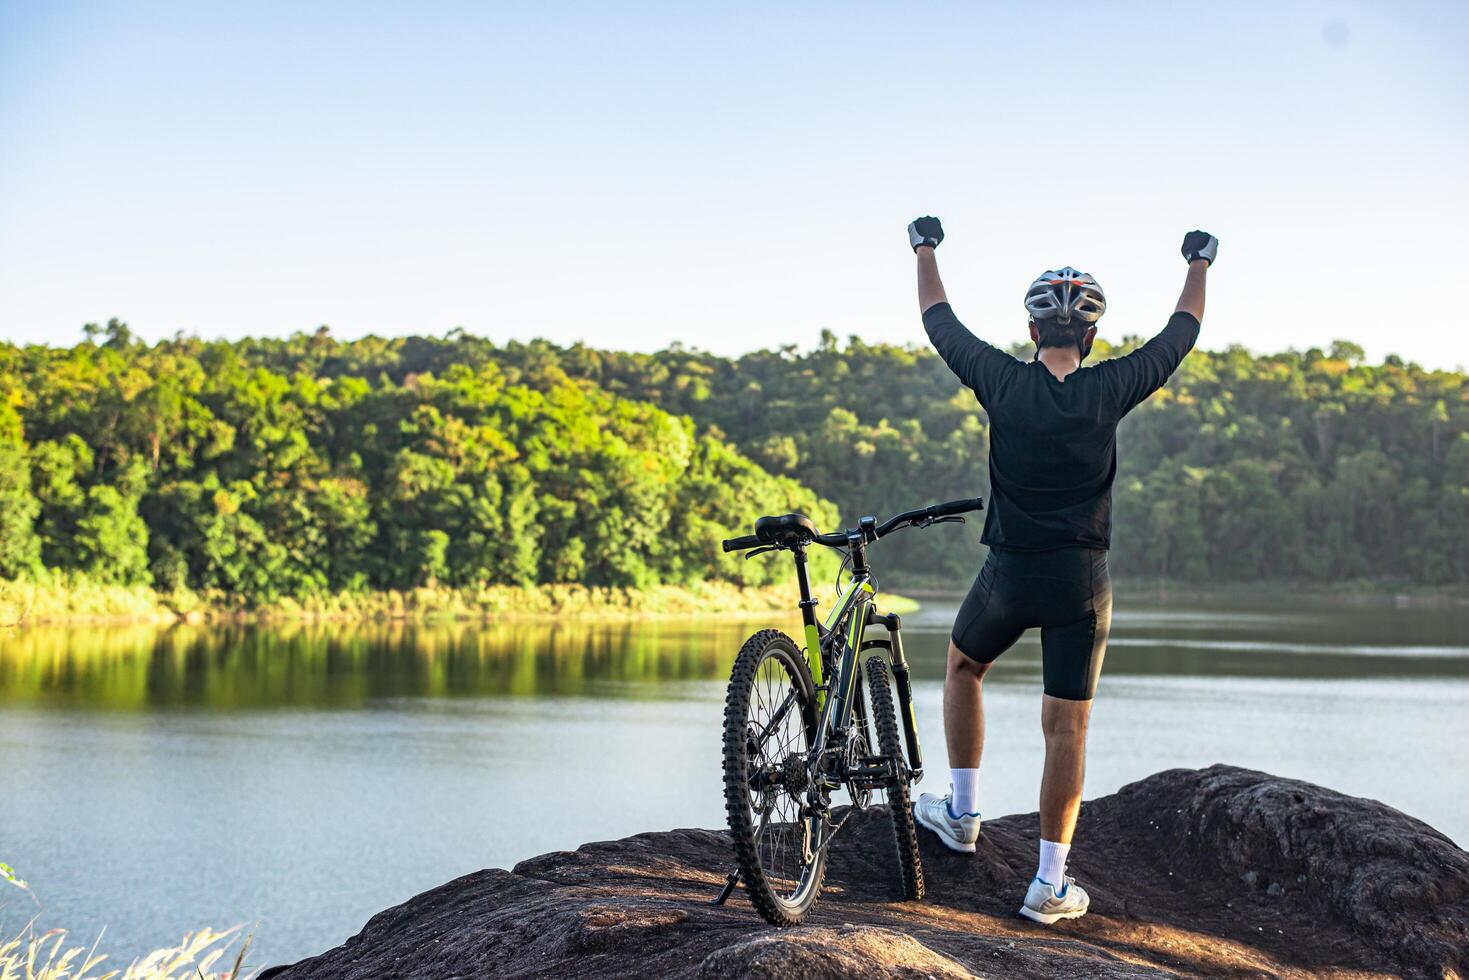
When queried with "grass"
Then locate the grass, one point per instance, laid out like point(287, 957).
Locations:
point(543, 601)
point(73, 600)
point(48, 956)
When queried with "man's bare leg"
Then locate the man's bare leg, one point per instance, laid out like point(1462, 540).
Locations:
point(964, 729)
point(964, 709)
point(958, 827)
point(1064, 724)
point(1051, 896)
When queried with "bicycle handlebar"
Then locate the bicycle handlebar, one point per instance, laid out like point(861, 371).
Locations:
point(957, 507)
point(934, 512)
point(838, 539)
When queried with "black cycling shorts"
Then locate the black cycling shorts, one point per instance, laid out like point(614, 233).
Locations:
point(1067, 593)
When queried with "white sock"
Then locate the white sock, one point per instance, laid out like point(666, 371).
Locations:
point(1052, 868)
point(965, 798)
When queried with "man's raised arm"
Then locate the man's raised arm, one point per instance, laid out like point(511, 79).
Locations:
point(924, 235)
point(973, 361)
point(1199, 249)
point(1148, 368)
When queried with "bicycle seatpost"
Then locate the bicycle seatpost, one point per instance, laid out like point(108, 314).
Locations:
point(809, 630)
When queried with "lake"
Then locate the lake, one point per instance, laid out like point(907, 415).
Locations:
point(299, 779)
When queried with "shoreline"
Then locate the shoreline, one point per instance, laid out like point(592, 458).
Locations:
point(1351, 593)
point(25, 605)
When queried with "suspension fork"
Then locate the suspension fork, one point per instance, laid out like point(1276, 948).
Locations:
point(893, 624)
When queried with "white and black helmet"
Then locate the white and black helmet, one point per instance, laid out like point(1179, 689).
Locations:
point(1063, 294)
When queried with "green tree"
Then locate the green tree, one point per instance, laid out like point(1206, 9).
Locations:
point(20, 546)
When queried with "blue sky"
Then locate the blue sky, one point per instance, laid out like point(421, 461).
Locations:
point(729, 176)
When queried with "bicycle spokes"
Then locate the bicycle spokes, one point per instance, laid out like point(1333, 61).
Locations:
point(778, 778)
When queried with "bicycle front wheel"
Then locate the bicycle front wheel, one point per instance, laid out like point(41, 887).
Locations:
point(770, 720)
point(885, 719)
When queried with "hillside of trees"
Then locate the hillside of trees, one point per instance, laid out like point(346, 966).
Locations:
point(1305, 465)
point(262, 469)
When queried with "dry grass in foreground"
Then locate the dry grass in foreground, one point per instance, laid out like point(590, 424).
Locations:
point(48, 956)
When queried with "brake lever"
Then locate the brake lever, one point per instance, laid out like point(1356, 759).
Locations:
point(760, 551)
point(951, 519)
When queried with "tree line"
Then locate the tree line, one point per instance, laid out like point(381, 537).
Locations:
point(1303, 465)
point(262, 469)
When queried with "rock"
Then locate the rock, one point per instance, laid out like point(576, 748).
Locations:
point(1174, 864)
point(814, 954)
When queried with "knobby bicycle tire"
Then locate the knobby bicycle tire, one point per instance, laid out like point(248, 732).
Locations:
point(744, 827)
point(905, 835)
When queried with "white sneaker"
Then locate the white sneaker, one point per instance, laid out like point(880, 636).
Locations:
point(1045, 905)
point(957, 833)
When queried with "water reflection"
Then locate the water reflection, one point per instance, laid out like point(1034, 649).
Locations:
point(335, 665)
point(324, 665)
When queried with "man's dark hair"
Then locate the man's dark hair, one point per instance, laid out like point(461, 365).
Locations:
point(1053, 333)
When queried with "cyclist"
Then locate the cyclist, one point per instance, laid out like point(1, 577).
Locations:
point(1053, 457)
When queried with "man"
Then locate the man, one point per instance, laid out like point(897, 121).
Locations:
point(1053, 456)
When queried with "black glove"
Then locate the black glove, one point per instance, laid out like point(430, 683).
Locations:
point(1200, 245)
point(925, 231)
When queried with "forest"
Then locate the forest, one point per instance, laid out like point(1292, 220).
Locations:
point(261, 469)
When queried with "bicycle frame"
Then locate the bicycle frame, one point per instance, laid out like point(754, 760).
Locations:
point(855, 607)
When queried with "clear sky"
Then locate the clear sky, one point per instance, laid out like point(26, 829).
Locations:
point(730, 175)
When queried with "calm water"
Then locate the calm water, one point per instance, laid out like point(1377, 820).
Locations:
point(301, 779)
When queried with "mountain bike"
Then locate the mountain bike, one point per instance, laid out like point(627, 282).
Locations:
point(802, 722)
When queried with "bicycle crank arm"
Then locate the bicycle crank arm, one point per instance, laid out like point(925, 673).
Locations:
point(872, 774)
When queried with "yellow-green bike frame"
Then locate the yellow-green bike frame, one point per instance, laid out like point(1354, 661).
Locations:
point(847, 623)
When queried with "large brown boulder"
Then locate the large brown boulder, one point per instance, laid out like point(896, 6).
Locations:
point(1213, 872)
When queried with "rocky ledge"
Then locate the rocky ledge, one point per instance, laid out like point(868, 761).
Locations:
point(1219, 872)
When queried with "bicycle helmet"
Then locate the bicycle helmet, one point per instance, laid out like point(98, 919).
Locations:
point(1065, 293)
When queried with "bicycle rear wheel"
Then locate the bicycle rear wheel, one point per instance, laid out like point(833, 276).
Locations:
point(889, 745)
point(770, 723)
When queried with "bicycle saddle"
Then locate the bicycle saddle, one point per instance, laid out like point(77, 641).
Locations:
point(784, 528)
